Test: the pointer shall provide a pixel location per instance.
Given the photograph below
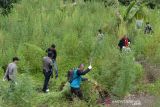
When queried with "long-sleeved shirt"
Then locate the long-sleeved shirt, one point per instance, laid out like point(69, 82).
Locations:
point(47, 64)
point(77, 78)
point(11, 72)
point(148, 29)
point(100, 36)
point(124, 42)
point(82, 72)
point(54, 53)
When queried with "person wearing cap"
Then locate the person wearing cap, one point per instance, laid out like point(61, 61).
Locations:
point(53, 51)
point(11, 71)
point(77, 78)
point(47, 70)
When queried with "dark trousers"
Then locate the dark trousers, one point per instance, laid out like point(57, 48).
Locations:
point(47, 76)
point(8, 78)
point(77, 92)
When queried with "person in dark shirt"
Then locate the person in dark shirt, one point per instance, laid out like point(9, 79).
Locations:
point(124, 42)
point(47, 70)
point(148, 29)
point(52, 50)
point(75, 84)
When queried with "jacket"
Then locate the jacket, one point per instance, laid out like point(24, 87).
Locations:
point(11, 71)
point(78, 78)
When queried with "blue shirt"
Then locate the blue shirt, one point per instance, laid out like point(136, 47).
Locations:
point(77, 78)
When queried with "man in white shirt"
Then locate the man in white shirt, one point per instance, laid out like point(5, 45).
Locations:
point(100, 35)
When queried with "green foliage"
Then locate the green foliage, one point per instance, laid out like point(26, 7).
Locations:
point(36, 24)
point(135, 10)
point(127, 75)
point(20, 94)
point(150, 88)
point(31, 56)
point(90, 94)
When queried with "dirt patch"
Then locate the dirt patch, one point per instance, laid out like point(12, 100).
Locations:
point(152, 71)
point(141, 100)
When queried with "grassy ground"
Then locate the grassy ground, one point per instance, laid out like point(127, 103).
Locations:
point(34, 25)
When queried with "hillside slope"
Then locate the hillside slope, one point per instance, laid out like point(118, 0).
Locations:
point(33, 25)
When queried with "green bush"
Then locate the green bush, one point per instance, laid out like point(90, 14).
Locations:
point(34, 25)
point(20, 94)
point(128, 74)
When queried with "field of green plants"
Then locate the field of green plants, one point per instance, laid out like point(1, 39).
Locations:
point(33, 25)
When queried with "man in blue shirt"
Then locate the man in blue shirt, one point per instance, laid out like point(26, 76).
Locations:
point(75, 83)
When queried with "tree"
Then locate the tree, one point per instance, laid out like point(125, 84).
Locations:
point(6, 6)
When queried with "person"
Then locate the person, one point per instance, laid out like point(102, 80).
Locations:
point(11, 71)
point(100, 35)
point(139, 23)
point(47, 70)
point(148, 29)
point(76, 81)
point(124, 43)
point(53, 51)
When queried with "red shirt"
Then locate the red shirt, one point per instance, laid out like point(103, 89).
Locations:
point(126, 42)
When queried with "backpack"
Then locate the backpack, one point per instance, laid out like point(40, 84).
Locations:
point(70, 75)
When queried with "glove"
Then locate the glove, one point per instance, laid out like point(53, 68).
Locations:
point(90, 67)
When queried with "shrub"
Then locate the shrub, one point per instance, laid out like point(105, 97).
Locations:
point(20, 95)
point(7, 5)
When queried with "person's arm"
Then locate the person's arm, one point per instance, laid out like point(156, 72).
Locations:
point(56, 69)
point(84, 72)
point(56, 74)
point(151, 29)
point(129, 40)
point(50, 65)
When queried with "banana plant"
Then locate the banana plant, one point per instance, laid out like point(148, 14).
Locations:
point(136, 10)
